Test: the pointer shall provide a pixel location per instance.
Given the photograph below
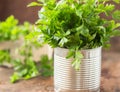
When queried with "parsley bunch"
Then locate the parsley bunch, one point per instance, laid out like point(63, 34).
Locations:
point(77, 24)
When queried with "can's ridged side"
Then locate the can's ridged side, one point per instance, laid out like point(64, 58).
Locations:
point(87, 79)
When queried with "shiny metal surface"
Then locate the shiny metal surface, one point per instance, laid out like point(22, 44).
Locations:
point(87, 79)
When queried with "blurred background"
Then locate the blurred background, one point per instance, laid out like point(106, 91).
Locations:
point(19, 9)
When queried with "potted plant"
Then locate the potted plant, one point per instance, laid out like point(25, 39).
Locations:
point(77, 31)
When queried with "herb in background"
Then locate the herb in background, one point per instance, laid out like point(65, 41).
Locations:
point(9, 29)
point(5, 57)
point(46, 66)
point(25, 67)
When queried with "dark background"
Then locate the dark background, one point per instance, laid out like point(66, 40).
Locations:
point(19, 9)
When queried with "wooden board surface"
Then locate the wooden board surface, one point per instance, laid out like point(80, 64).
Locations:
point(110, 79)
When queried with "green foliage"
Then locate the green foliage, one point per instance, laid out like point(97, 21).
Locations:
point(116, 15)
point(24, 29)
point(46, 66)
point(77, 24)
point(77, 61)
point(34, 4)
point(117, 1)
point(9, 29)
point(4, 57)
point(34, 38)
point(27, 68)
point(24, 67)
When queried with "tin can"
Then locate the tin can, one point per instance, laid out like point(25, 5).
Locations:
point(87, 79)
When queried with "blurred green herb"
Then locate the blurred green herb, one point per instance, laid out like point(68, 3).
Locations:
point(9, 29)
point(5, 56)
point(25, 67)
point(46, 66)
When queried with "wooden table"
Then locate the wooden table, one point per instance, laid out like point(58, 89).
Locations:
point(110, 79)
